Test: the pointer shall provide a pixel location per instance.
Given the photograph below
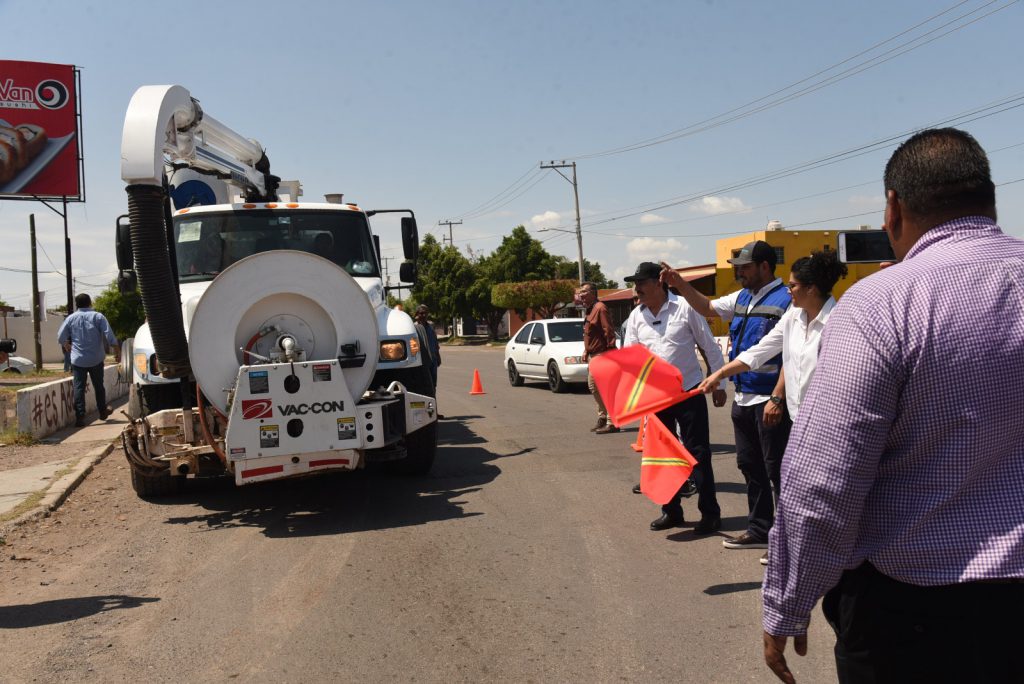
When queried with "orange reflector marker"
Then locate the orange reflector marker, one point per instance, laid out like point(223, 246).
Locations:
point(183, 211)
point(271, 205)
point(352, 206)
point(248, 206)
point(292, 205)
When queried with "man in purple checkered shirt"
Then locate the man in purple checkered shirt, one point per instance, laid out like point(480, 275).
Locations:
point(903, 484)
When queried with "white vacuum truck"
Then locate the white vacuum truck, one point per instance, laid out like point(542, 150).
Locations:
point(268, 349)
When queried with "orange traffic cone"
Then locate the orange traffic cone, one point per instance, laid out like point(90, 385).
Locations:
point(639, 444)
point(477, 387)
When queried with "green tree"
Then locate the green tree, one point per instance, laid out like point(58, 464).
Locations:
point(479, 296)
point(444, 277)
point(544, 297)
point(123, 311)
point(519, 257)
point(591, 272)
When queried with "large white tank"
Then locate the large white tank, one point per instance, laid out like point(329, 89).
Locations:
point(305, 296)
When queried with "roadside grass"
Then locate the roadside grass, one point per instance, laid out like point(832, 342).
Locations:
point(11, 436)
point(25, 506)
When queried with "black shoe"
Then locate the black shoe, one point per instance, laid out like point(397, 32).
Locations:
point(666, 521)
point(80, 421)
point(601, 422)
point(689, 489)
point(105, 412)
point(708, 525)
point(636, 488)
point(745, 541)
point(606, 429)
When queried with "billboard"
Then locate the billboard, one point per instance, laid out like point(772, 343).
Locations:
point(39, 134)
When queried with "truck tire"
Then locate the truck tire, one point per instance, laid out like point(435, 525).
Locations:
point(144, 400)
point(420, 446)
point(155, 486)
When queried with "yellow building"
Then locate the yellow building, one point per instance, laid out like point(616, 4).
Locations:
point(789, 245)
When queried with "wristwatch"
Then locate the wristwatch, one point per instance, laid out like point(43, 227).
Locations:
point(776, 399)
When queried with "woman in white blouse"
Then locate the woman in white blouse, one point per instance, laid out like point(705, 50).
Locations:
point(796, 335)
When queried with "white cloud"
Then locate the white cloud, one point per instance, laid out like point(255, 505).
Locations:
point(712, 205)
point(652, 249)
point(649, 219)
point(549, 219)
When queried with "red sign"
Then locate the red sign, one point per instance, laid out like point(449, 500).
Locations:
point(38, 130)
point(257, 408)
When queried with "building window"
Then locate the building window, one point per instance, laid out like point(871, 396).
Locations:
point(780, 255)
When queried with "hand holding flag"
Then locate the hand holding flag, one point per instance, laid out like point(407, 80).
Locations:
point(634, 382)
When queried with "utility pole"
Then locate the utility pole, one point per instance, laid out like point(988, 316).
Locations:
point(35, 293)
point(449, 223)
point(576, 195)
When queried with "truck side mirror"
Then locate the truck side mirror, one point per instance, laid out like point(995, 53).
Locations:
point(410, 238)
point(407, 272)
point(123, 244)
point(127, 281)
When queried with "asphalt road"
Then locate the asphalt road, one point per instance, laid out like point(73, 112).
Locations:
point(524, 557)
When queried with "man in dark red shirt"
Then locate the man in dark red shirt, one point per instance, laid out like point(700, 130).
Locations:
point(598, 337)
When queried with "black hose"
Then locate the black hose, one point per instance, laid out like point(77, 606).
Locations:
point(157, 284)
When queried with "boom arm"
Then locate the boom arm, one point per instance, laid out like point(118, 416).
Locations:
point(166, 126)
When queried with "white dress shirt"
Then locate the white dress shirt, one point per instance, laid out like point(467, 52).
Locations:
point(798, 340)
point(725, 307)
point(673, 336)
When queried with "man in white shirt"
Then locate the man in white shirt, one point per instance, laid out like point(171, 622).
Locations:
point(760, 422)
point(671, 330)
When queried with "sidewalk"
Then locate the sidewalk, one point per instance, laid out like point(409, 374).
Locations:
point(36, 479)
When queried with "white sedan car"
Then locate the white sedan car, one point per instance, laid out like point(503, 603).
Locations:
point(550, 349)
point(17, 364)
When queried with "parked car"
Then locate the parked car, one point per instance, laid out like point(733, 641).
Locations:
point(17, 364)
point(551, 350)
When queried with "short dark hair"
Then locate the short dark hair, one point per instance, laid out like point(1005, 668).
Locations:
point(589, 285)
point(821, 269)
point(83, 301)
point(941, 170)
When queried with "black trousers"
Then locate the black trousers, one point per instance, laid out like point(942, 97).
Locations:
point(689, 421)
point(889, 631)
point(759, 451)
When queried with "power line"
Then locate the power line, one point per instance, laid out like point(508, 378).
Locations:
point(738, 113)
point(990, 109)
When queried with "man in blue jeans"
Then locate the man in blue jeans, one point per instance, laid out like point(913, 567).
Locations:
point(86, 335)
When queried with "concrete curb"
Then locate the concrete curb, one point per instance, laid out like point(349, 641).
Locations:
point(59, 491)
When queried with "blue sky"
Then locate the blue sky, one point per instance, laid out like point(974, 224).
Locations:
point(442, 106)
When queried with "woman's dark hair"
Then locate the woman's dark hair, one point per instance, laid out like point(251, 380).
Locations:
point(821, 269)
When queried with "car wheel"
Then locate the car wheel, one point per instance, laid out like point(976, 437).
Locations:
point(555, 381)
point(514, 378)
point(12, 369)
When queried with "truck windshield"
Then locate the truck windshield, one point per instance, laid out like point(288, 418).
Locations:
point(206, 244)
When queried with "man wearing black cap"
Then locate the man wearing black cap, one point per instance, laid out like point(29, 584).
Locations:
point(671, 330)
point(760, 421)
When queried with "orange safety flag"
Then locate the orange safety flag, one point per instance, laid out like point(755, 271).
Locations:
point(632, 382)
point(666, 463)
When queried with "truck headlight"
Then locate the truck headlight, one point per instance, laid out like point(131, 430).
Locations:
point(392, 350)
point(414, 346)
point(141, 363)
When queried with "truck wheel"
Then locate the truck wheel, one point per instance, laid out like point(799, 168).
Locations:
point(144, 400)
point(555, 381)
point(421, 448)
point(514, 378)
point(155, 486)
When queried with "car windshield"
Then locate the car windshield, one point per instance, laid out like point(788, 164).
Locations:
point(206, 244)
point(569, 331)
